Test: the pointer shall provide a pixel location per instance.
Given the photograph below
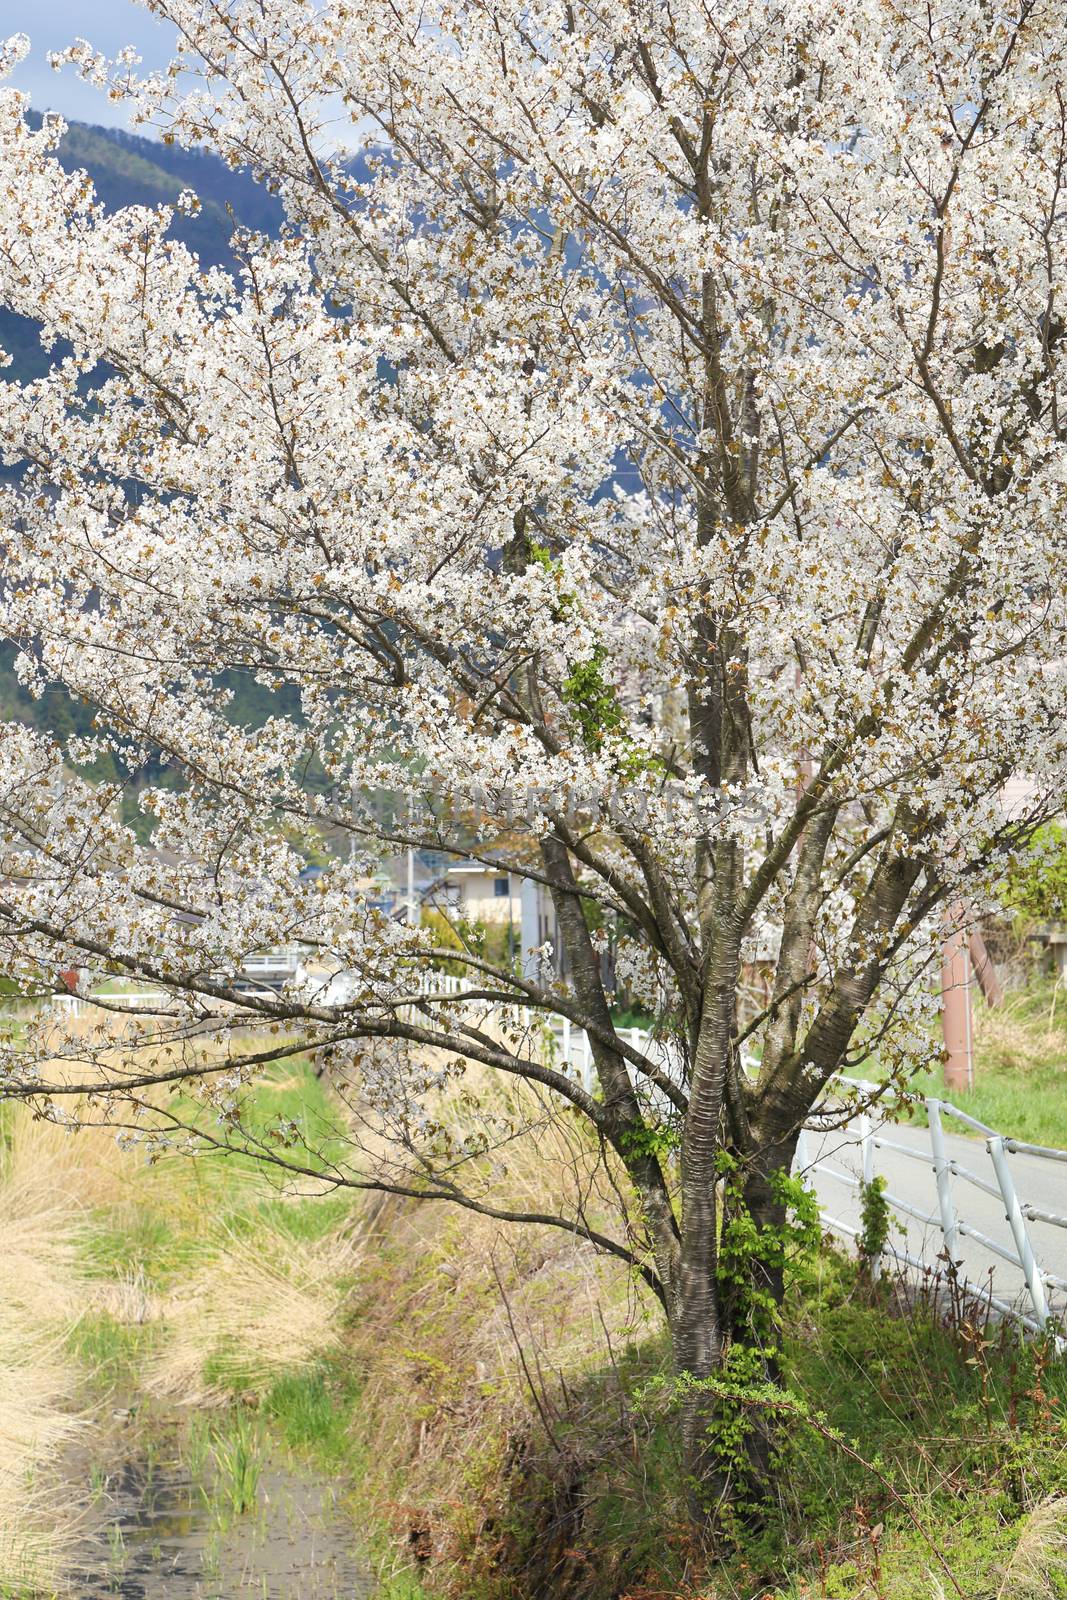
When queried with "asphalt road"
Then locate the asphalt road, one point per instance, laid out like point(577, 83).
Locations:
point(1040, 1182)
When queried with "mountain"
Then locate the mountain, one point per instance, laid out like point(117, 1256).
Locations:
point(128, 170)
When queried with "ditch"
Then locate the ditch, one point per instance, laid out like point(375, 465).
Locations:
point(184, 1508)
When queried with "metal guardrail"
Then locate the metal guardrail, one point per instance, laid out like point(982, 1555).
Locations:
point(1017, 1249)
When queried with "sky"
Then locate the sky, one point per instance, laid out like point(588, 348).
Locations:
point(53, 24)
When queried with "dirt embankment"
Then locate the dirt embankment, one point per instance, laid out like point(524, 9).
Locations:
point(495, 1429)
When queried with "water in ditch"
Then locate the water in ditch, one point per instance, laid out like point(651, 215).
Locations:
point(162, 1529)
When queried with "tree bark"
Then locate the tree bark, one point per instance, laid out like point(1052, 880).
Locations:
point(729, 1469)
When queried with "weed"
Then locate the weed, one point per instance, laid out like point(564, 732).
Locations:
point(116, 1552)
point(196, 1447)
point(237, 1453)
point(312, 1412)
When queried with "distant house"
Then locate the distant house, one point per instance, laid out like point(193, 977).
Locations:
point(478, 891)
point(486, 892)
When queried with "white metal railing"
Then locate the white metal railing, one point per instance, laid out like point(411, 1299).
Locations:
point(574, 1053)
point(76, 1005)
point(281, 961)
point(944, 1218)
point(571, 1045)
point(283, 958)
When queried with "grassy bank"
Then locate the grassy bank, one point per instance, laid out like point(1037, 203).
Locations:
point(924, 1442)
point(488, 1402)
point(1020, 1071)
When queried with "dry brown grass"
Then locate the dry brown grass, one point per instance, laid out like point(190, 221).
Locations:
point(448, 1405)
point(43, 1286)
point(1038, 1567)
point(1021, 1035)
point(256, 1308)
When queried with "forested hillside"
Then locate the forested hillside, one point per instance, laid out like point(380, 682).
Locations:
point(128, 170)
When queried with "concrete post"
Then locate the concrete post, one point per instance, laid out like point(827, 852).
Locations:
point(529, 929)
point(956, 1003)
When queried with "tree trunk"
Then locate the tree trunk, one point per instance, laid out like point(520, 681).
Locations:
point(697, 1342)
point(729, 1448)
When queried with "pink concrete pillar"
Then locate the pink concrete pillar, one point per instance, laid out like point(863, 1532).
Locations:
point(956, 1002)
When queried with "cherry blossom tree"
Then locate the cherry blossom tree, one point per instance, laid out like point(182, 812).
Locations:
point(643, 451)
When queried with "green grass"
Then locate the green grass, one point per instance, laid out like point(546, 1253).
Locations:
point(959, 1430)
point(963, 1423)
point(1020, 1068)
point(312, 1413)
point(287, 1111)
point(139, 1240)
point(113, 1352)
point(1031, 1108)
point(237, 1450)
point(160, 1234)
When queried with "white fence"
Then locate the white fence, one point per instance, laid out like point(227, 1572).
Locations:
point(945, 1220)
point(75, 1005)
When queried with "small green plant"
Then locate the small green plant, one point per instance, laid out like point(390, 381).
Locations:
point(212, 1556)
point(754, 1254)
point(874, 1226)
point(196, 1448)
point(238, 1464)
point(116, 1552)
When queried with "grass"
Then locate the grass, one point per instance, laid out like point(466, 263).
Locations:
point(962, 1419)
point(959, 1426)
point(1020, 1073)
point(259, 1306)
point(37, 1386)
point(480, 1388)
point(1020, 1067)
point(112, 1352)
point(237, 1449)
point(311, 1411)
point(193, 1278)
point(512, 1475)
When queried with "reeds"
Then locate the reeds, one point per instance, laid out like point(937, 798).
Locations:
point(38, 1248)
point(258, 1307)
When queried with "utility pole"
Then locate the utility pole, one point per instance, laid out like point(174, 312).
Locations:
point(956, 1018)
